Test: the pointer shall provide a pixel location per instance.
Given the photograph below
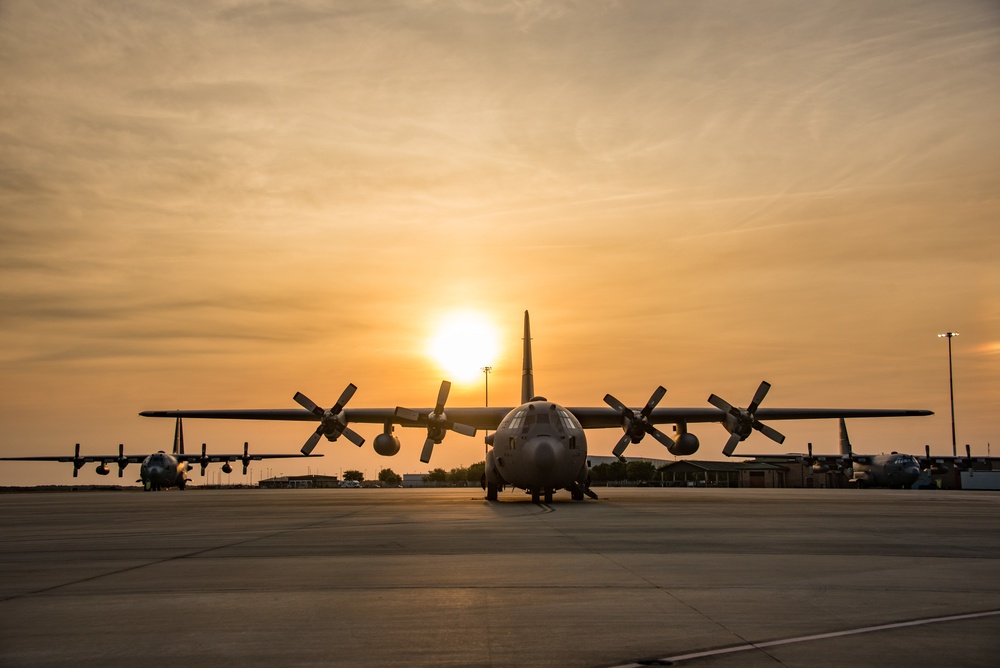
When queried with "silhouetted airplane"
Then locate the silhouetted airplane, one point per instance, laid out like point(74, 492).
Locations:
point(892, 470)
point(538, 446)
point(158, 470)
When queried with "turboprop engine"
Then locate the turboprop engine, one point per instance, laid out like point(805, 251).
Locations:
point(227, 468)
point(103, 469)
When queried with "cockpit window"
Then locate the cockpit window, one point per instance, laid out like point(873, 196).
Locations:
point(566, 419)
point(518, 419)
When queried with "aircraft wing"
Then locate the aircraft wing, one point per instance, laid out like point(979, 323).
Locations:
point(604, 418)
point(961, 462)
point(68, 458)
point(590, 417)
point(83, 459)
point(480, 418)
point(216, 459)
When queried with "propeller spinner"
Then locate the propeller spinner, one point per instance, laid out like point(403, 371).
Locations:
point(437, 422)
point(637, 426)
point(741, 421)
point(331, 424)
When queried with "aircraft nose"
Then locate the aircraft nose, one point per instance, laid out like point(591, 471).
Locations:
point(543, 454)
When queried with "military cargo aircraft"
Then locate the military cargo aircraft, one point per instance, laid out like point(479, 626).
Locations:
point(159, 470)
point(538, 446)
point(895, 470)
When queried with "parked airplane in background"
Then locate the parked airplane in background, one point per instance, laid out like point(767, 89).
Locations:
point(158, 470)
point(892, 470)
point(538, 446)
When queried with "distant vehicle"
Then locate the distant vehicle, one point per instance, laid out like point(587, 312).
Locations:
point(350, 483)
point(158, 470)
point(895, 470)
point(539, 446)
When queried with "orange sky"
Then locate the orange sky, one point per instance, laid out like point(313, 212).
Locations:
point(215, 205)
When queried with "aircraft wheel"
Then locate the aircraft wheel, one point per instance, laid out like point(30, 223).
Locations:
point(536, 496)
point(576, 494)
point(492, 492)
point(548, 496)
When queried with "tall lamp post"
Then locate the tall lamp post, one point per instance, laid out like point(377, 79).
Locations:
point(951, 391)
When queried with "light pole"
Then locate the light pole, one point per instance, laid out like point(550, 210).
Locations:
point(486, 372)
point(951, 391)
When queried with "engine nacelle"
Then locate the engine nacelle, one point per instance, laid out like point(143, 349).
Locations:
point(226, 468)
point(103, 469)
point(684, 444)
point(386, 444)
point(820, 467)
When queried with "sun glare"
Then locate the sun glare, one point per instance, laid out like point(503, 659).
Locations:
point(463, 344)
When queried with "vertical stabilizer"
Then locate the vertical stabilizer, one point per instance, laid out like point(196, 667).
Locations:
point(845, 442)
point(527, 376)
point(178, 438)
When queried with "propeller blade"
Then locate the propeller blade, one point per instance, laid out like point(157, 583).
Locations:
point(720, 403)
point(308, 404)
point(653, 400)
point(311, 443)
point(664, 440)
point(463, 429)
point(620, 446)
point(759, 396)
point(425, 454)
point(345, 396)
point(442, 397)
point(614, 403)
point(770, 432)
point(407, 414)
point(122, 462)
point(354, 437)
point(731, 444)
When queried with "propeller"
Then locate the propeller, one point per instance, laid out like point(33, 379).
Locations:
point(122, 459)
point(246, 457)
point(78, 461)
point(331, 424)
point(437, 422)
point(204, 460)
point(637, 426)
point(741, 421)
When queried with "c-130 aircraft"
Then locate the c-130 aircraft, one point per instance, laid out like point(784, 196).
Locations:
point(160, 470)
point(539, 446)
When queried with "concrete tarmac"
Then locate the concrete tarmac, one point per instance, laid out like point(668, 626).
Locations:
point(423, 577)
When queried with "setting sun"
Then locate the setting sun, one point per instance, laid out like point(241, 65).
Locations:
point(463, 344)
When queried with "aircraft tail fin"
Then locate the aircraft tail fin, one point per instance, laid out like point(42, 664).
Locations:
point(178, 438)
point(845, 441)
point(527, 375)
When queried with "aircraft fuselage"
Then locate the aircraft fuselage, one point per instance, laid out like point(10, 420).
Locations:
point(540, 447)
point(895, 470)
point(161, 470)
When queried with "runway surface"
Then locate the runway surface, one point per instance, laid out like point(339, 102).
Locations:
point(405, 577)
